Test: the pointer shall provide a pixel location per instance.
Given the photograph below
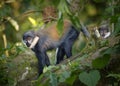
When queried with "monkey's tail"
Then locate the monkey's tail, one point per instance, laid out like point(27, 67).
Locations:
point(85, 30)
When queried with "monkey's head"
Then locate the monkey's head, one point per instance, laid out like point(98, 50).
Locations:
point(104, 31)
point(28, 38)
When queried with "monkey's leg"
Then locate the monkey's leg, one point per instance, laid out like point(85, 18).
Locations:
point(60, 54)
point(41, 61)
point(47, 61)
point(68, 48)
point(68, 43)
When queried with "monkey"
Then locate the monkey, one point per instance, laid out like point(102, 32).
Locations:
point(104, 31)
point(48, 39)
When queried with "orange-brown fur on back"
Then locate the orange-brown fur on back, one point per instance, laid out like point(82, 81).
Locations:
point(53, 32)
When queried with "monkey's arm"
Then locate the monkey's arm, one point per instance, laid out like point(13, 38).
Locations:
point(84, 30)
point(41, 61)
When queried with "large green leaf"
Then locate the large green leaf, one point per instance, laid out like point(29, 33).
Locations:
point(101, 62)
point(53, 79)
point(91, 78)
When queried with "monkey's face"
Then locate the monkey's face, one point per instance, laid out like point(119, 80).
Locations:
point(103, 31)
point(28, 38)
point(28, 41)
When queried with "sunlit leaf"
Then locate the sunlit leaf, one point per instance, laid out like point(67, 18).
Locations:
point(33, 21)
point(91, 78)
point(13, 23)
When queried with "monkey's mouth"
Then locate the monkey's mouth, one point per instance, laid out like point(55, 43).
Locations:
point(28, 45)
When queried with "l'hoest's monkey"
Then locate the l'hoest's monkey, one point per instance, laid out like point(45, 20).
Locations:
point(49, 38)
point(104, 31)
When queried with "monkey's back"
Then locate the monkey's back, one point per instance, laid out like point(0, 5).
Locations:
point(51, 38)
point(53, 32)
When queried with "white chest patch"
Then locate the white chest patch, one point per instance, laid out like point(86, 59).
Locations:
point(34, 42)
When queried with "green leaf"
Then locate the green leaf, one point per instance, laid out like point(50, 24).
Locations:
point(117, 27)
point(20, 48)
point(82, 45)
point(75, 21)
point(91, 78)
point(56, 2)
point(117, 76)
point(64, 76)
point(63, 6)
point(99, 1)
point(107, 51)
point(71, 79)
point(53, 79)
point(60, 24)
point(101, 62)
point(32, 21)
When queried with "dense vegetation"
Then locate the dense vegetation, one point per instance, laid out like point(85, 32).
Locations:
point(96, 61)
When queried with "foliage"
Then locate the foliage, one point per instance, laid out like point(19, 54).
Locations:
point(116, 76)
point(103, 61)
point(6, 64)
point(85, 69)
point(91, 78)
